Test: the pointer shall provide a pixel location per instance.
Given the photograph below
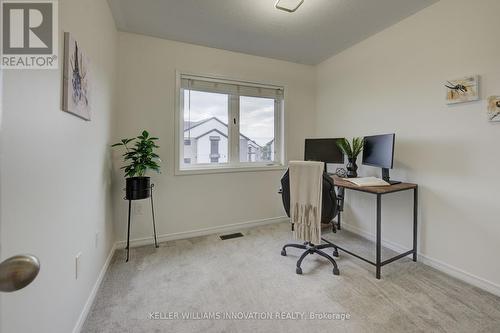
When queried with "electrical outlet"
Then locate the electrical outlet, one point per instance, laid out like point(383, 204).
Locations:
point(77, 265)
point(138, 209)
point(97, 239)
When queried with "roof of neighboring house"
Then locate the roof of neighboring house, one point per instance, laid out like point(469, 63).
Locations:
point(188, 125)
point(210, 131)
point(192, 124)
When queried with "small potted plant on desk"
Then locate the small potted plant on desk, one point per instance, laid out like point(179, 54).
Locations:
point(352, 152)
point(140, 158)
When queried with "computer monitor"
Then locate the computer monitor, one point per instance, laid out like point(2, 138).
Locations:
point(323, 150)
point(378, 151)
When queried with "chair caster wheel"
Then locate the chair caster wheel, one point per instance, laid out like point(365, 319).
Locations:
point(298, 270)
point(283, 253)
point(336, 271)
point(335, 254)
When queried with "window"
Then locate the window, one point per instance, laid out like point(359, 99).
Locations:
point(205, 115)
point(257, 124)
point(228, 125)
point(214, 149)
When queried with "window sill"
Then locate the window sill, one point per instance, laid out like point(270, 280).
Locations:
point(227, 169)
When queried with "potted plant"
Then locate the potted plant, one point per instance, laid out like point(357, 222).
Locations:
point(140, 157)
point(351, 151)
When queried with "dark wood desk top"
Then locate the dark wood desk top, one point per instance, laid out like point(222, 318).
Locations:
point(372, 189)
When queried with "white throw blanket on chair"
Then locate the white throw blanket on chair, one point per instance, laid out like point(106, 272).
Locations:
point(306, 188)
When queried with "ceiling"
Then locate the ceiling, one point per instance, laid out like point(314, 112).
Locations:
point(316, 31)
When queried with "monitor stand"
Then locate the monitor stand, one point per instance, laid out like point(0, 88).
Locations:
point(385, 177)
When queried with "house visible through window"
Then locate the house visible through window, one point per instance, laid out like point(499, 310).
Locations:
point(229, 124)
point(257, 121)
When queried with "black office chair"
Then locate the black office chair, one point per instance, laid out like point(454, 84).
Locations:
point(329, 210)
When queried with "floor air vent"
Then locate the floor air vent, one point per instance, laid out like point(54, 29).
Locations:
point(230, 236)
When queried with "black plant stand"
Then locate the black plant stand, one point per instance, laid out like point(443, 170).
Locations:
point(153, 214)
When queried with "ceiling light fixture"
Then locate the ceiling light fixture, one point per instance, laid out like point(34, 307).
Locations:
point(288, 5)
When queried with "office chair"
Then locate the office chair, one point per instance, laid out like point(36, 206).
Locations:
point(329, 209)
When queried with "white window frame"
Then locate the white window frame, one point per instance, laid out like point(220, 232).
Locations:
point(233, 164)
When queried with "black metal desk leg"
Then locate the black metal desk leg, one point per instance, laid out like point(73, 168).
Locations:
point(153, 213)
point(415, 222)
point(341, 193)
point(379, 235)
point(128, 232)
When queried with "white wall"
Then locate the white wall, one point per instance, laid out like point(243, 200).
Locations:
point(1, 95)
point(55, 176)
point(393, 82)
point(147, 88)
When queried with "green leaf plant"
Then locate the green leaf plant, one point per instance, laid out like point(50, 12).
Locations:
point(139, 155)
point(351, 150)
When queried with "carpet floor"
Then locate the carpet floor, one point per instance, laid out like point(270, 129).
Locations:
point(243, 284)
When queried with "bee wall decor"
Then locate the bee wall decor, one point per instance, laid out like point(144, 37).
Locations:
point(462, 90)
point(76, 79)
point(494, 108)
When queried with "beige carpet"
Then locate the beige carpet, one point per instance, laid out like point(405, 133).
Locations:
point(247, 276)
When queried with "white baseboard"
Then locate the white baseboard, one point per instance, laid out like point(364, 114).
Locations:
point(201, 232)
point(93, 292)
point(461, 274)
point(434, 263)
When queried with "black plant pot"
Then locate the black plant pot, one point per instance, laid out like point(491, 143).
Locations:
point(138, 188)
point(352, 168)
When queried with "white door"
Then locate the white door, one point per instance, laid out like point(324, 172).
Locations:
point(24, 267)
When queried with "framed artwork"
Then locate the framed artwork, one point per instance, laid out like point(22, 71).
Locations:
point(461, 90)
point(76, 79)
point(494, 108)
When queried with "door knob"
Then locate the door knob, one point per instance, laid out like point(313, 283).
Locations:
point(17, 272)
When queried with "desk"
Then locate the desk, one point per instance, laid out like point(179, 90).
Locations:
point(379, 192)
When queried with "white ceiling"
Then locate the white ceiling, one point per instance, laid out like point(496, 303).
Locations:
point(316, 31)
